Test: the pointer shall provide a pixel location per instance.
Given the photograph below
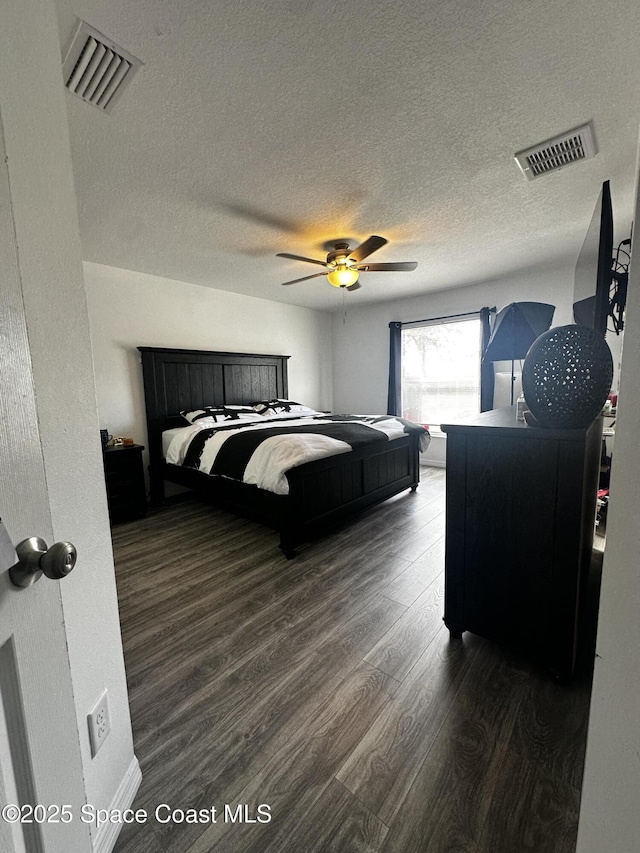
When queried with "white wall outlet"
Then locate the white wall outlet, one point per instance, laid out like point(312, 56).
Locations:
point(99, 723)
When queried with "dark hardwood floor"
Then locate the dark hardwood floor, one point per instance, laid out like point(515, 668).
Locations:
point(327, 688)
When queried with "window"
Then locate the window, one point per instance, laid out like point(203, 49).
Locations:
point(441, 371)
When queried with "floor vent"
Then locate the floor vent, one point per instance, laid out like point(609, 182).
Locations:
point(96, 69)
point(570, 147)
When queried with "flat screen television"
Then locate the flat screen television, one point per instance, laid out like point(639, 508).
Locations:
point(593, 273)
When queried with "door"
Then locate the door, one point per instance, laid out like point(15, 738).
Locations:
point(40, 759)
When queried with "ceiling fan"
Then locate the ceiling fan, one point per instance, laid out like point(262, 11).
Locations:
point(343, 266)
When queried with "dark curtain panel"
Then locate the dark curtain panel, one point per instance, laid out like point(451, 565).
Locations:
point(394, 400)
point(487, 375)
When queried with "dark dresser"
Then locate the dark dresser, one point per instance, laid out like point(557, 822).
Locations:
point(124, 476)
point(520, 507)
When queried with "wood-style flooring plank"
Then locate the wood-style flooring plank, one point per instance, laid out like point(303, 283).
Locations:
point(413, 544)
point(531, 812)
point(551, 728)
point(250, 715)
point(304, 621)
point(227, 601)
point(540, 780)
point(383, 767)
point(448, 802)
point(271, 687)
point(397, 652)
point(297, 776)
point(424, 512)
point(409, 585)
point(339, 823)
point(397, 540)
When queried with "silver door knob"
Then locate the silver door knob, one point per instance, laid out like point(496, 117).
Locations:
point(35, 559)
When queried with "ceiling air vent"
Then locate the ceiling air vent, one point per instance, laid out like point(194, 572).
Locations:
point(96, 69)
point(570, 147)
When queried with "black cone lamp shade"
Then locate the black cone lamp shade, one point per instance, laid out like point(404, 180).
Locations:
point(515, 328)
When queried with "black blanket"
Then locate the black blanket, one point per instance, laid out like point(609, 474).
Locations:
point(234, 455)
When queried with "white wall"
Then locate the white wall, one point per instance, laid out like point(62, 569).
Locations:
point(361, 345)
point(610, 813)
point(46, 229)
point(130, 309)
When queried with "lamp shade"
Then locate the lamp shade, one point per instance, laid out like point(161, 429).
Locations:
point(515, 328)
point(343, 276)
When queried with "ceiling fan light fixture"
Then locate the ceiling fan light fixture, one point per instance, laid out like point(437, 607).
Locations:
point(344, 265)
point(343, 276)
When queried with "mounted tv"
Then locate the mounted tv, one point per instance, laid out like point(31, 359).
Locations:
point(593, 273)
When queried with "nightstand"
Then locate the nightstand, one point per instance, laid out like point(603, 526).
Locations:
point(124, 476)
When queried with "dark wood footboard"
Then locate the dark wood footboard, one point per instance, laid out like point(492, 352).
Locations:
point(327, 492)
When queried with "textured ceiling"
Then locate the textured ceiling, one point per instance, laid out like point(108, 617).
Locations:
point(263, 127)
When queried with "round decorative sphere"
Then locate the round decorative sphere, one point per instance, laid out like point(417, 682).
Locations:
point(566, 377)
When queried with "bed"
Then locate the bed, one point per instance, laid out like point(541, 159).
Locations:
point(320, 493)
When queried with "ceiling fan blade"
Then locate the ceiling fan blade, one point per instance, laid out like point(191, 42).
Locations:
point(367, 248)
point(300, 258)
point(355, 286)
point(263, 218)
point(306, 278)
point(400, 266)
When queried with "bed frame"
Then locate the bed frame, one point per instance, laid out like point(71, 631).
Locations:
point(321, 493)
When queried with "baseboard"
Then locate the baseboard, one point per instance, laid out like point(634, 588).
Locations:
point(434, 463)
point(106, 837)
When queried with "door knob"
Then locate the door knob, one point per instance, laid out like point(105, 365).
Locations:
point(35, 559)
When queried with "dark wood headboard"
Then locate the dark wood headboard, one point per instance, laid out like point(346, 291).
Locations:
point(176, 380)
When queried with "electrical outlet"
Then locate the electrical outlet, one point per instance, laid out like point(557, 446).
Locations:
point(99, 723)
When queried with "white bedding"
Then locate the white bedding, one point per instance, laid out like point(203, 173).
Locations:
point(273, 457)
point(167, 437)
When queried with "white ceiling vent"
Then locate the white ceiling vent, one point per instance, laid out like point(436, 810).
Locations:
point(96, 69)
point(569, 147)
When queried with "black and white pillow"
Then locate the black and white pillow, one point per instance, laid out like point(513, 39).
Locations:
point(220, 414)
point(241, 412)
point(278, 408)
